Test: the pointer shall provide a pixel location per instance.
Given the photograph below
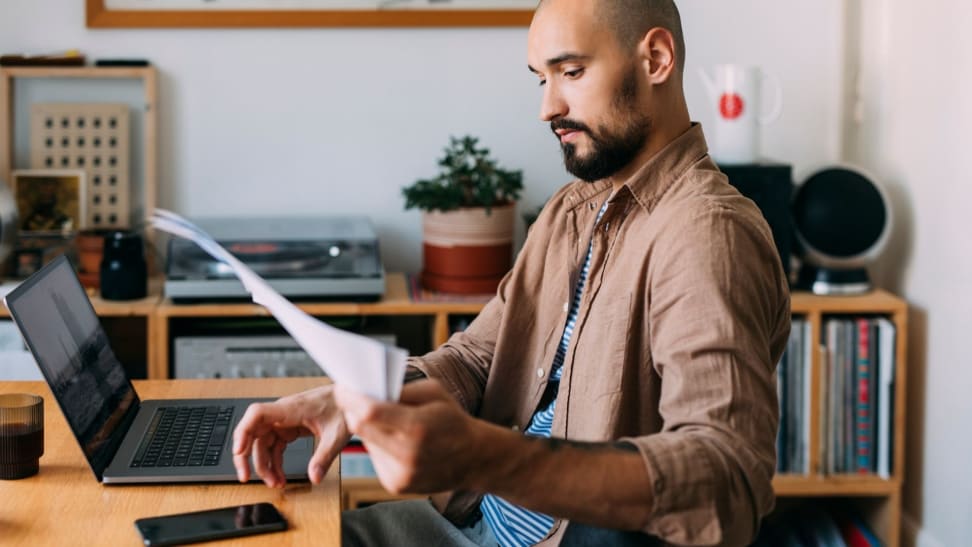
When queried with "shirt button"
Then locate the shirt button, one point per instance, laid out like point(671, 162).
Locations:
point(540, 373)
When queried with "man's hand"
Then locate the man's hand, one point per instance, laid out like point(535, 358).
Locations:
point(425, 443)
point(267, 428)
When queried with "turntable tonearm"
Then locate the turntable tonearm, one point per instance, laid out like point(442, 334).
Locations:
point(326, 258)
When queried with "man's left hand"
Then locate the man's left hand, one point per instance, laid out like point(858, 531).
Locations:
point(425, 443)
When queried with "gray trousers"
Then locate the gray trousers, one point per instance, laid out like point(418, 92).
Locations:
point(406, 523)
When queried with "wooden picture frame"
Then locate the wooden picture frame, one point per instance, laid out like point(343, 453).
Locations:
point(100, 14)
point(50, 202)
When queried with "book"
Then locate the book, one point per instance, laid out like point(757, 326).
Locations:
point(855, 533)
point(807, 359)
point(850, 397)
point(863, 428)
point(885, 402)
point(830, 426)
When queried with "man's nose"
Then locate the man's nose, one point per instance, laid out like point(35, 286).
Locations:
point(552, 106)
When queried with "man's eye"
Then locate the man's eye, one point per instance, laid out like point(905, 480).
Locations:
point(574, 73)
point(543, 82)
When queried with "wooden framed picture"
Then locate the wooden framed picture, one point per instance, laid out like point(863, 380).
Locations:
point(49, 201)
point(308, 13)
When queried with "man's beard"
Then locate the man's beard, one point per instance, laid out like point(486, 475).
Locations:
point(611, 150)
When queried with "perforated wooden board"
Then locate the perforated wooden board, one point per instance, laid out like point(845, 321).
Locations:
point(90, 136)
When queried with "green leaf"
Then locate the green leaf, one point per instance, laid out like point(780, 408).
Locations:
point(467, 177)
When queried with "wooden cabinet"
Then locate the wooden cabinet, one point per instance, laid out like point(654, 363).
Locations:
point(395, 304)
point(144, 183)
point(877, 499)
point(129, 326)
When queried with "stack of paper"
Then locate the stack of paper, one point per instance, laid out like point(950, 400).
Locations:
point(361, 363)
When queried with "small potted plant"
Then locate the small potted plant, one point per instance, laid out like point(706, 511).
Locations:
point(467, 219)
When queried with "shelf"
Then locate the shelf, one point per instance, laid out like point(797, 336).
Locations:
point(359, 490)
point(143, 307)
point(878, 498)
point(147, 109)
point(395, 301)
point(834, 485)
point(78, 72)
point(875, 302)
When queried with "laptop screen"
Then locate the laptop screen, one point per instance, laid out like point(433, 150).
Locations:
point(59, 324)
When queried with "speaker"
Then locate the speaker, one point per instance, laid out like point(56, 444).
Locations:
point(770, 186)
point(842, 220)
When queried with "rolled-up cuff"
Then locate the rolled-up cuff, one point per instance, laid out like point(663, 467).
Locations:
point(684, 494)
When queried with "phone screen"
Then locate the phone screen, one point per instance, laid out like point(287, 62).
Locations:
point(211, 524)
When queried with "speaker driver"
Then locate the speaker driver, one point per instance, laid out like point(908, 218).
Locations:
point(842, 219)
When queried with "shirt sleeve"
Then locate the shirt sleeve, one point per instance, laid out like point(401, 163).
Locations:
point(462, 363)
point(719, 318)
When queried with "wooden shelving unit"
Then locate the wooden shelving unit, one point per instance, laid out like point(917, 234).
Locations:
point(147, 75)
point(130, 325)
point(396, 302)
point(877, 499)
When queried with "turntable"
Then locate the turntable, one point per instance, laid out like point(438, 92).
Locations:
point(328, 258)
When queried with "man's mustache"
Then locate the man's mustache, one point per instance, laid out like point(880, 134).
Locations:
point(565, 123)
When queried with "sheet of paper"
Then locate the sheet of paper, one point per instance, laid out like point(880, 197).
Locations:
point(361, 363)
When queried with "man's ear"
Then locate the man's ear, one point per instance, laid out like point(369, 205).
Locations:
point(658, 55)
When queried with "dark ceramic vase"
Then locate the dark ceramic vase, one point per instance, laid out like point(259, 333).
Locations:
point(123, 268)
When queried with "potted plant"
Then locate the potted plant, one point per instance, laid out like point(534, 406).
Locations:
point(467, 219)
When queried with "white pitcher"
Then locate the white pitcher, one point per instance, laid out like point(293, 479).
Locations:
point(734, 97)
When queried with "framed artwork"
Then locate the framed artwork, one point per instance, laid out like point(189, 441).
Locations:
point(49, 201)
point(308, 13)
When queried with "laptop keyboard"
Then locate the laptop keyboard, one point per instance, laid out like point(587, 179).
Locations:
point(184, 436)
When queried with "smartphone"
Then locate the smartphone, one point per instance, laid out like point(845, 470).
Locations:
point(226, 522)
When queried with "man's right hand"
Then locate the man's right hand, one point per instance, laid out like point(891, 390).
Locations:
point(267, 428)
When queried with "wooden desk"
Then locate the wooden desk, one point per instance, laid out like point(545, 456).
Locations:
point(65, 505)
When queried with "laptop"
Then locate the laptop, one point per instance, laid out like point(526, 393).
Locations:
point(125, 440)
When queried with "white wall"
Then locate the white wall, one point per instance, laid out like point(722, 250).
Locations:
point(288, 121)
point(916, 66)
point(325, 120)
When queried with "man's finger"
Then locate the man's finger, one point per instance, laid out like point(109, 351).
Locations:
point(362, 412)
point(321, 460)
point(258, 419)
point(241, 462)
point(262, 460)
point(277, 461)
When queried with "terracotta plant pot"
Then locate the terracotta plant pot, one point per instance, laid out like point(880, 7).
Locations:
point(467, 251)
point(90, 244)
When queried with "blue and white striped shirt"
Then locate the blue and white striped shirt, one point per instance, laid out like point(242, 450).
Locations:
point(513, 525)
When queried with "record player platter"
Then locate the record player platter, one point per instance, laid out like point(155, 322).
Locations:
point(329, 258)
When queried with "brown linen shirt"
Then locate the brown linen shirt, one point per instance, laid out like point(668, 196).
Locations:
point(685, 315)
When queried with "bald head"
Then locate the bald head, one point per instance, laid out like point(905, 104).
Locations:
point(630, 20)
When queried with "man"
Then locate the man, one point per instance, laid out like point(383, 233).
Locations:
point(634, 340)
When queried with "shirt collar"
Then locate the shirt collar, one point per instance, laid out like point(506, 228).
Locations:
point(656, 176)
